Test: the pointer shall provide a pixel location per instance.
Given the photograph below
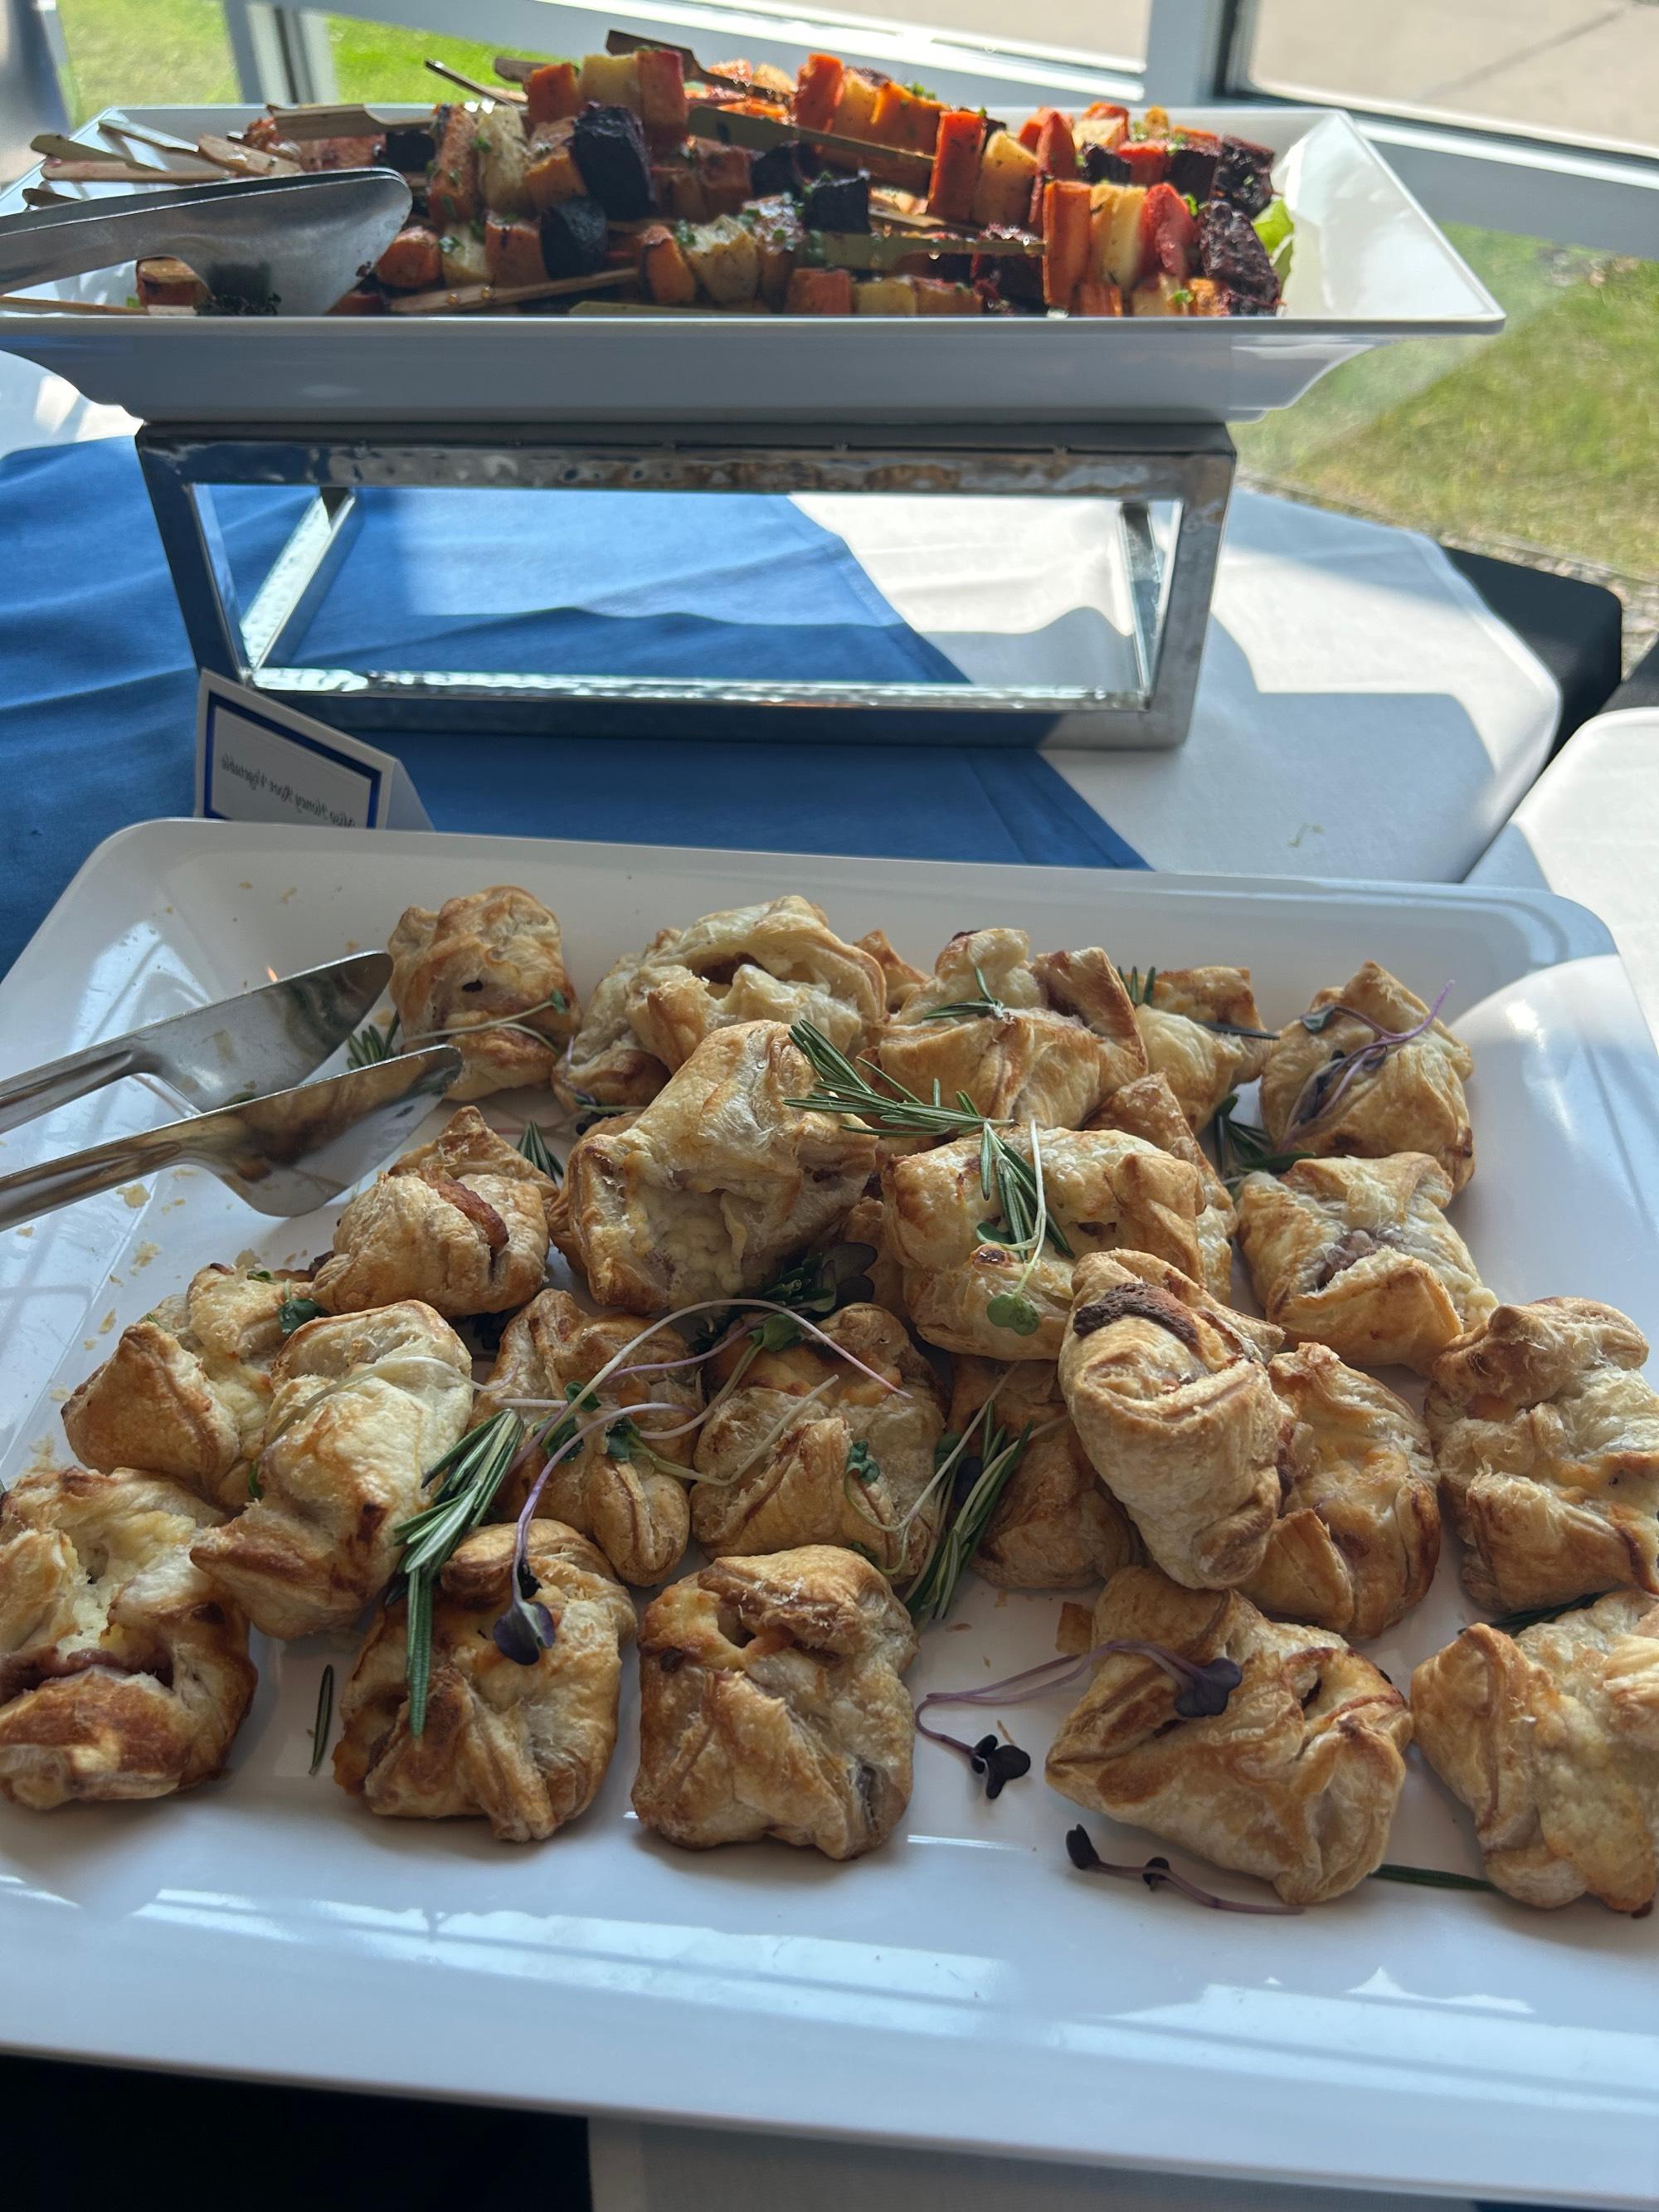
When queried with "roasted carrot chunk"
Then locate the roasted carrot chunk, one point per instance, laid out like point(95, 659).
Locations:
point(819, 292)
point(1148, 160)
point(414, 262)
point(1169, 235)
point(816, 90)
point(1056, 154)
point(1066, 239)
point(514, 251)
point(552, 176)
point(662, 95)
point(664, 268)
point(956, 165)
point(452, 192)
point(905, 121)
point(723, 172)
point(1096, 296)
point(551, 93)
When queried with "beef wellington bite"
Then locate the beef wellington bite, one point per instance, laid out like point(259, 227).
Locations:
point(486, 973)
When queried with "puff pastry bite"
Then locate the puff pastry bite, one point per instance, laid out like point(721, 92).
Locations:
point(460, 1223)
point(636, 1515)
point(771, 1705)
point(809, 1450)
point(185, 1391)
point(524, 1746)
point(1148, 1108)
point(123, 1671)
point(1063, 1039)
point(1546, 1437)
point(604, 1063)
point(1199, 1062)
point(1359, 1255)
point(1104, 1191)
point(1055, 1524)
point(493, 958)
point(1357, 1534)
point(899, 977)
point(867, 1224)
point(1552, 1740)
point(1295, 1781)
point(717, 1180)
point(363, 1406)
point(1317, 1097)
point(1172, 1398)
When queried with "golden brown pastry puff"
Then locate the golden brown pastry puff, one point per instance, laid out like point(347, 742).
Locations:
point(1104, 1191)
point(897, 975)
point(1061, 1038)
point(1201, 1062)
point(1055, 1524)
point(493, 958)
point(185, 1391)
point(867, 1224)
point(1546, 1438)
point(1148, 1108)
point(1296, 1781)
point(526, 1746)
point(1172, 1398)
point(1552, 1740)
point(770, 1705)
point(636, 1515)
point(1358, 1532)
point(604, 1064)
point(808, 1449)
point(460, 1223)
point(363, 1406)
point(1317, 1097)
point(717, 1182)
point(1359, 1255)
point(123, 1671)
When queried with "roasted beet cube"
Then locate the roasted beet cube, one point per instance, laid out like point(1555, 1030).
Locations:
point(1101, 166)
point(1232, 255)
point(1017, 278)
point(1244, 174)
point(574, 237)
point(408, 147)
point(608, 144)
point(787, 168)
point(1192, 171)
point(837, 202)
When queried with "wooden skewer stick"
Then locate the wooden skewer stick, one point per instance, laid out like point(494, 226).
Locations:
point(340, 121)
point(21, 303)
point(466, 299)
point(761, 131)
point(513, 68)
point(499, 93)
point(624, 42)
point(128, 173)
point(41, 196)
point(160, 139)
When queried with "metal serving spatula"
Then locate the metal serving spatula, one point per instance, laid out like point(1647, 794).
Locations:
point(286, 1154)
point(263, 1040)
point(293, 243)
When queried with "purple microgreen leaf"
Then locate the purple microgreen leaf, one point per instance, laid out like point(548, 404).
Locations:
point(999, 1762)
point(1158, 1874)
point(525, 1631)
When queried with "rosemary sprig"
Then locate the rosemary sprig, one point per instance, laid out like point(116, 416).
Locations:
point(986, 1006)
point(1512, 1624)
point(1431, 1878)
point(1243, 1149)
point(372, 1043)
point(320, 1726)
point(533, 1145)
point(468, 1477)
point(1140, 995)
point(932, 1593)
point(1139, 991)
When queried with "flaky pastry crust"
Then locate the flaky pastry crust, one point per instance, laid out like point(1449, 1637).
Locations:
point(124, 1673)
point(716, 1183)
point(1414, 1103)
point(1064, 1040)
point(460, 1223)
point(771, 1705)
point(1359, 1255)
point(488, 957)
point(185, 1391)
point(1055, 1524)
point(1546, 1438)
point(1201, 1064)
point(1172, 1398)
point(363, 1406)
point(1357, 1535)
point(1552, 1740)
point(526, 1746)
point(1296, 1782)
point(898, 975)
point(780, 1458)
point(604, 1064)
point(1148, 1109)
point(637, 1516)
point(1105, 1191)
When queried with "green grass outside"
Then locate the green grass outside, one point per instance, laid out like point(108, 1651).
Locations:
point(1544, 437)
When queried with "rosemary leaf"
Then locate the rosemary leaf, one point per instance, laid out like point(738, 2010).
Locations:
point(372, 1043)
point(1431, 1878)
point(321, 1725)
point(468, 1477)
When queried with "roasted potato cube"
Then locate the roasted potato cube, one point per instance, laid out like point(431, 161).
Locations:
point(885, 295)
point(725, 257)
point(1007, 173)
point(612, 80)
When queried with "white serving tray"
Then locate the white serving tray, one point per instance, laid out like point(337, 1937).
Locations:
point(1370, 266)
point(963, 1986)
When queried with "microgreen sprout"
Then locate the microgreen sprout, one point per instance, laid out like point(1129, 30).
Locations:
point(295, 1313)
point(1158, 1874)
point(1327, 1085)
point(860, 1464)
point(555, 1002)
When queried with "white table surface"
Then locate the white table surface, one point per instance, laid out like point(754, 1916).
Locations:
point(1361, 713)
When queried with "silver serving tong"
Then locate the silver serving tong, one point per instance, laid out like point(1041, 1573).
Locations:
point(285, 1154)
point(293, 245)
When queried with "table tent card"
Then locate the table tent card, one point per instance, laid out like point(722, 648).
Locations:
point(258, 762)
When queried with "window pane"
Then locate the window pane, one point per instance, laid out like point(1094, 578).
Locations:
point(165, 53)
point(380, 61)
point(1572, 69)
point(1539, 441)
point(1114, 30)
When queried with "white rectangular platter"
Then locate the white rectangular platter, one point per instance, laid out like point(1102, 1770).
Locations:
point(963, 1986)
point(1369, 266)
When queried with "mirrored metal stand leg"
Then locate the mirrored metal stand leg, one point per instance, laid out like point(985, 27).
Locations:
point(1163, 489)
